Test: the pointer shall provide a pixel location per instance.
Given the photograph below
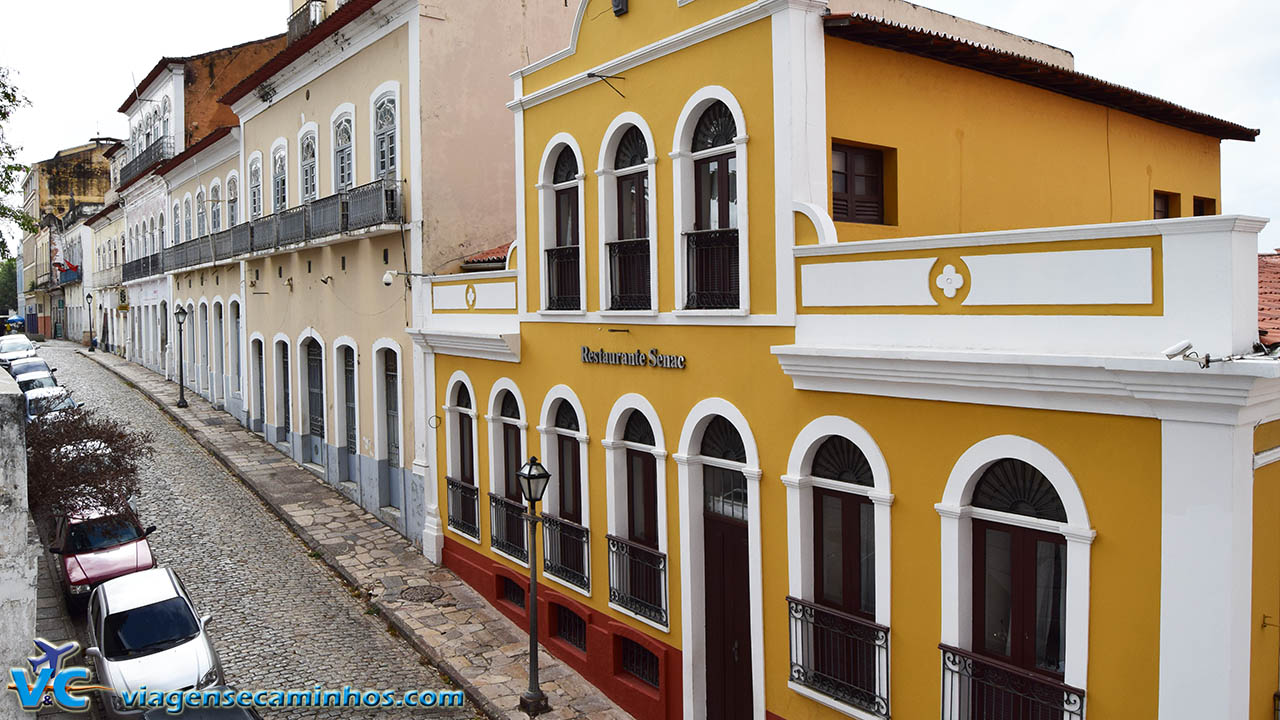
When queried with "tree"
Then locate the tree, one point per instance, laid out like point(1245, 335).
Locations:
point(11, 171)
point(79, 460)
point(8, 284)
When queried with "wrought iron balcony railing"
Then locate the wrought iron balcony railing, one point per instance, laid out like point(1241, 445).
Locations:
point(329, 215)
point(265, 233)
point(839, 655)
point(241, 238)
point(107, 276)
point(293, 225)
point(562, 278)
point(980, 688)
point(158, 150)
point(304, 19)
point(464, 515)
point(638, 579)
point(223, 247)
point(374, 203)
point(66, 277)
point(506, 527)
point(711, 269)
point(568, 548)
point(143, 267)
point(629, 275)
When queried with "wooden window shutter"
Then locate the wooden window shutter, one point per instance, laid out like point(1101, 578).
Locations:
point(857, 184)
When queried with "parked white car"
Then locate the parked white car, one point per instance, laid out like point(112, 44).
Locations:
point(15, 347)
point(35, 380)
point(48, 400)
point(144, 631)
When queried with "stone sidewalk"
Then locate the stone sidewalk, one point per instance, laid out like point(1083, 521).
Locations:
point(452, 625)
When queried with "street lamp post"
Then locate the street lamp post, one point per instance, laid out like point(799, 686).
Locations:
point(533, 483)
point(88, 298)
point(181, 315)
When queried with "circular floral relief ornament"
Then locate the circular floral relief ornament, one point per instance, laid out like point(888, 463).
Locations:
point(949, 281)
point(470, 296)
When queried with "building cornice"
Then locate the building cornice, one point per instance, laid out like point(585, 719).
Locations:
point(1234, 393)
point(504, 347)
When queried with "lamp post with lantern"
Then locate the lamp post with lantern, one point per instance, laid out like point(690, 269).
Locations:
point(88, 299)
point(533, 483)
point(181, 315)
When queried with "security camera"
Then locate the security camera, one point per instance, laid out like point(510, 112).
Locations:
point(388, 277)
point(1178, 350)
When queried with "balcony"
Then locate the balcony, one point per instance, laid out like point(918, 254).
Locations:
point(463, 513)
point(562, 278)
point(66, 277)
point(978, 688)
point(841, 656)
point(158, 150)
point(372, 204)
point(638, 579)
point(143, 267)
point(107, 276)
point(629, 275)
point(711, 267)
point(304, 19)
point(567, 546)
point(506, 527)
point(366, 206)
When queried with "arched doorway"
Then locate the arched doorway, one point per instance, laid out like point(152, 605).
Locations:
point(313, 443)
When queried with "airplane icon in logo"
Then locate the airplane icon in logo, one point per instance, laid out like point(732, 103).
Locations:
point(53, 655)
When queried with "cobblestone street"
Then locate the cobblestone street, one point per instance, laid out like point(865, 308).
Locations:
point(281, 618)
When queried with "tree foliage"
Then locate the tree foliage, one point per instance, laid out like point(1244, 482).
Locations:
point(8, 285)
point(80, 460)
point(11, 171)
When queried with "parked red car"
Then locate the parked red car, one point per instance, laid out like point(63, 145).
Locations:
point(97, 546)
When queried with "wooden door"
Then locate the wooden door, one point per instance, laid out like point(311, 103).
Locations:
point(728, 619)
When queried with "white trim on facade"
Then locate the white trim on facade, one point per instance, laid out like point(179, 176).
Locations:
point(607, 203)
point(547, 228)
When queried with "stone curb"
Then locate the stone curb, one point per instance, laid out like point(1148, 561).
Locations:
point(407, 633)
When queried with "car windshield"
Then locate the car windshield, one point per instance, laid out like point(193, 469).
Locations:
point(103, 532)
point(14, 344)
point(148, 629)
point(42, 405)
point(22, 367)
point(44, 381)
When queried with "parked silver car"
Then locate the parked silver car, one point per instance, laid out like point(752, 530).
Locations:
point(13, 347)
point(35, 380)
point(144, 631)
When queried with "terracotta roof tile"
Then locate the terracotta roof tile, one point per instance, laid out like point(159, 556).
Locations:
point(1269, 298)
point(488, 256)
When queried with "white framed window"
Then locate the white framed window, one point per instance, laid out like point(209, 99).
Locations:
point(279, 180)
point(507, 451)
point(384, 135)
point(710, 192)
point(561, 230)
point(233, 200)
point(177, 224)
point(627, 215)
point(186, 218)
point(215, 208)
point(567, 534)
point(201, 215)
point(462, 456)
point(255, 189)
point(307, 156)
point(164, 110)
point(160, 230)
point(344, 165)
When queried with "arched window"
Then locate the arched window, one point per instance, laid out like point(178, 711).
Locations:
point(384, 135)
point(215, 207)
point(637, 567)
point(201, 215)
point(629, 250)
point(507, 522)
point(177, 224)
point(255, 189)
point(463, 510)
point(148, 125)
point(160, 230)
point(279, 181)
point(151, 235)
point(186, 219)
point(233, 200)
point(165, 117)
point(307, 152)
point(844, 569)
point(343, 154)
point(1019, 573)
point(567, 539)
point(712, 254)
point(563, 286)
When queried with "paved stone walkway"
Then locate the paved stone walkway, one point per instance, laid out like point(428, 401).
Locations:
point(476, 646)
point(55, 625)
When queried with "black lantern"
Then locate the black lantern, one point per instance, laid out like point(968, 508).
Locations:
point(88, 299)
point(181, 316)
point(533, 480)
point(533, 483)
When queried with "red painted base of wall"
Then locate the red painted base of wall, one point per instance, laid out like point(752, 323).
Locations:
point(601, 663)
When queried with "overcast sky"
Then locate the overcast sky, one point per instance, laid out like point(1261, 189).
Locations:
point(78, 59)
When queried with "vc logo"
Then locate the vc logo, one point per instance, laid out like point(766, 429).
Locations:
point(52, 682)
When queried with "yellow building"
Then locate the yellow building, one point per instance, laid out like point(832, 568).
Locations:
point(841, 335)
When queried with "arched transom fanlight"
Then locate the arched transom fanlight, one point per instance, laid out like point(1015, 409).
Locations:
point(566, 417)
point(632, 149)
point(255, 173)
point(715, 128)
point(510, 408)
point(277, 163)
point(308, 148)
point(1016, 487)
point(839, 459)
point(386, 114)
point(566, 166)
point(464, 397)
point(232, 187)
point(722, 440)
point(638, 429)
point(344, 132)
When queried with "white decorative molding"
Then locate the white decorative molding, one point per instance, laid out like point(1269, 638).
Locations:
point(487, 346)
point(479, 297)
point(867, 283)
point(1070, 277)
